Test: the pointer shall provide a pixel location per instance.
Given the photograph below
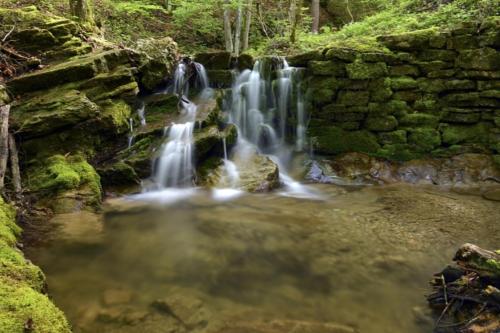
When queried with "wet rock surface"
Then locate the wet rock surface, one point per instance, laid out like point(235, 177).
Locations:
point(461, 170)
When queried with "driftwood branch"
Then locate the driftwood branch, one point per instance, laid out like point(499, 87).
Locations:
point(474, 258)
point(8, 34)
point(4, 142)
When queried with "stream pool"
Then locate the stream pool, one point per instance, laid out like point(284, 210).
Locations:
point(357, 260)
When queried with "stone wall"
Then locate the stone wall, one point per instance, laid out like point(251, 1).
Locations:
point(427, 92)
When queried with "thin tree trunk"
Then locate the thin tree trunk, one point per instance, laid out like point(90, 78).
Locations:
point(237, 33)
point(83, 10)
point(228, 36)
point(4, 142)
point(14, 165)
point(248, 25)
point(261, 20)
point(349, 10)
point(315, 16)
point(295, 15)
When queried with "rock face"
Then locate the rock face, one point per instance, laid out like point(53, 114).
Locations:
point(22, 302)
point(429, 93)
point(76, 106)
point(460, 170)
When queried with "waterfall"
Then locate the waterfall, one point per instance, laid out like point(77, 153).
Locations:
point(262, 108)
point(174, 168)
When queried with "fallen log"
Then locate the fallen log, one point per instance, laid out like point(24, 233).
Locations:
point(472, 257)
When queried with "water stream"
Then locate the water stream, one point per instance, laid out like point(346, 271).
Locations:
point(359, 258)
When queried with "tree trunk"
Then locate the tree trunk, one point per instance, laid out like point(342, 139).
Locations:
point(315, 16)
point(295, 15)
point(4, 142)
point(14, 165)
point(83, 10)
point(248, 25)
point(237, 33)
point(228, 36)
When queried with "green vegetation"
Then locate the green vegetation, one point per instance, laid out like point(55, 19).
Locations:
point(198, 25)
point(22, 303)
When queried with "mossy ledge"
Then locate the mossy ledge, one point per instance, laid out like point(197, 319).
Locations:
point(23, 305)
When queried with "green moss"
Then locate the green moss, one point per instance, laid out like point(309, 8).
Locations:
point(21, 284)
point(328, 68)
point(404, 70)
point(415, 40)
point(395, 137)
point(353, 98)
point(381, 123)
point(419, 120)
point(116, 115)
point(425, 139)
point(334, 140)
point(397, 152)
point(14, 266)
point(119, 173)
point(62, 173)
point(403, 83)
point(454, 134)
point(361, 70)
point(9, 230)
point(483, 59)
point(20, 303)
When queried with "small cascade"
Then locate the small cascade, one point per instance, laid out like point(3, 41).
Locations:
point(174, 168)
point(141, 113)
point(231, 175)
point(264, 109)
point(131, 135)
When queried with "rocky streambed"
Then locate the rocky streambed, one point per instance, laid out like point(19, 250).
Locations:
point(358, 259)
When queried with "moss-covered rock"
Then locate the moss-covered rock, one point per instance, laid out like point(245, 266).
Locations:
point(21, 285)
point(220, 78)
point(327, 68)
point(119, 173)
point(481, 59)
point(62, 180)
point(343, 54)
point(219, 60)
point(455, 134)
point(47, 112)
point(403, 83)
point(361, 70)
point(409, 41)
point(425, 139)
point(353, 98)
point(419, 120)
point(381, 123)
point(397, 152)
point(334, 140)
point(158, 58)
point(395, 137)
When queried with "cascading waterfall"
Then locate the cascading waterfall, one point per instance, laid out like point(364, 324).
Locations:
point(174, 167)
point(262, 108)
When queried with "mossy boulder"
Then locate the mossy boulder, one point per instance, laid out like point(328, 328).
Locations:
point(119, 173)
point(363, 71)
point(219, 60)
point(403, 83)
point(158, 57)
point(482, 59)
point(327, 68)
point(334, 140)
point(256, 173)
point(455, 134)
point(21, 286)
point(424, 139)
point(410, 41)
point(220, 78)
point(419, 120)
point(381, 123)
point(64, 181)
point(394, 137)
point(48, 112)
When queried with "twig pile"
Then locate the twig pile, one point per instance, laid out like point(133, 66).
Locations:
point(466, 297)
